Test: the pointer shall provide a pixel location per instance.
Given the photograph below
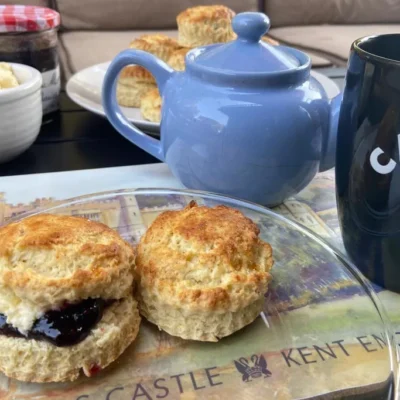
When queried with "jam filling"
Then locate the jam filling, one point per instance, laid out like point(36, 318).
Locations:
point(63, 327)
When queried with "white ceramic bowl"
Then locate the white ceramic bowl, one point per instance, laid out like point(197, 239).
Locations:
point(20, 112)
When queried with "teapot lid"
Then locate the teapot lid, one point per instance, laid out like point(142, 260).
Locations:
point(248, 53)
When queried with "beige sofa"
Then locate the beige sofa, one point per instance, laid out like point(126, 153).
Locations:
point(94, 31)
point(328, 27)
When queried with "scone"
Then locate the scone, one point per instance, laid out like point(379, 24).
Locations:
point(177, 59)
point(133, 83)
point(7, 78)
point(203, 25)
point(202, 272)
point(160, 45)
point(270, 41)
point(66, 298)
point(150, 106)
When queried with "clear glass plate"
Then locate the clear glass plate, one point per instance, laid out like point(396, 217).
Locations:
point(322, 334)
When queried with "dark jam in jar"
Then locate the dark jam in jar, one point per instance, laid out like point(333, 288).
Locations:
point(29, 37)
point(65, 327)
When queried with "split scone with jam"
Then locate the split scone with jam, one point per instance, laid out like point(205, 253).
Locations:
point(66, 298)
point(202, 272)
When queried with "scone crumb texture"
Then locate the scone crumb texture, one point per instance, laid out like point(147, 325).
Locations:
point(205, 258)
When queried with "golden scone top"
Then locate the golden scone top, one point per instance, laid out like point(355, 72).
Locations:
point(205, 13)
point(177, 59)
point(206, 258)
point(204, 25)
point(7, 78)
point(135, 74)
point(158, 44)
point(48, 259)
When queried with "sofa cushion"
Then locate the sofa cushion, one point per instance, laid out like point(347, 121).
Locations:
point(81, 49)
point(318, 60)
point(132, 14)
point(332, 41)
point(314, 12)
point(40, 3)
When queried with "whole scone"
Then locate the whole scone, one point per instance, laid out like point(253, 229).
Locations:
point(202, 272)
point(203, 25)
point(66, 298)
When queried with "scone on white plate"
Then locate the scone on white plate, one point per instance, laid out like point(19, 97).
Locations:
point(150, 106)
point(162, 46)
point(7, 78)
point(203, 272)
point(204, 25)
point(135, 81)
point(66, 298)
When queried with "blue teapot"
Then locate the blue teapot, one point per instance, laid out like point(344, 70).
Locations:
point(244, 119)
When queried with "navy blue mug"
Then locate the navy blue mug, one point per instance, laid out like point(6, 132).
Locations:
point(368, 159)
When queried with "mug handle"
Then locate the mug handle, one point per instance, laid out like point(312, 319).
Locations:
point(160, 70)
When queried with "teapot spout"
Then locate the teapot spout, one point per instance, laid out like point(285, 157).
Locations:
point(329, 141)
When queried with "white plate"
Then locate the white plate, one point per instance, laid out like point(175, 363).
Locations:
point(84, 88)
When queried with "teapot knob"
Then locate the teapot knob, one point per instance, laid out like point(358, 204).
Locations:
point(251, 26)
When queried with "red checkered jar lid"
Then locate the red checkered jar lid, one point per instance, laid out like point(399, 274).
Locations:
point(27, 18)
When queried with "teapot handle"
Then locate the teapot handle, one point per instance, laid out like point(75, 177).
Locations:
point(160, 70)
point(329, 144)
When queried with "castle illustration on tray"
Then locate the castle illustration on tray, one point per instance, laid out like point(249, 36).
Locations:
point(125, 212)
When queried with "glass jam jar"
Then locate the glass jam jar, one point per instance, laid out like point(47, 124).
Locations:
point(28, 35)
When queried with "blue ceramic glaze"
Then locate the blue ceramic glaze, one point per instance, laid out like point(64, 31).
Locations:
point(244, 119)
